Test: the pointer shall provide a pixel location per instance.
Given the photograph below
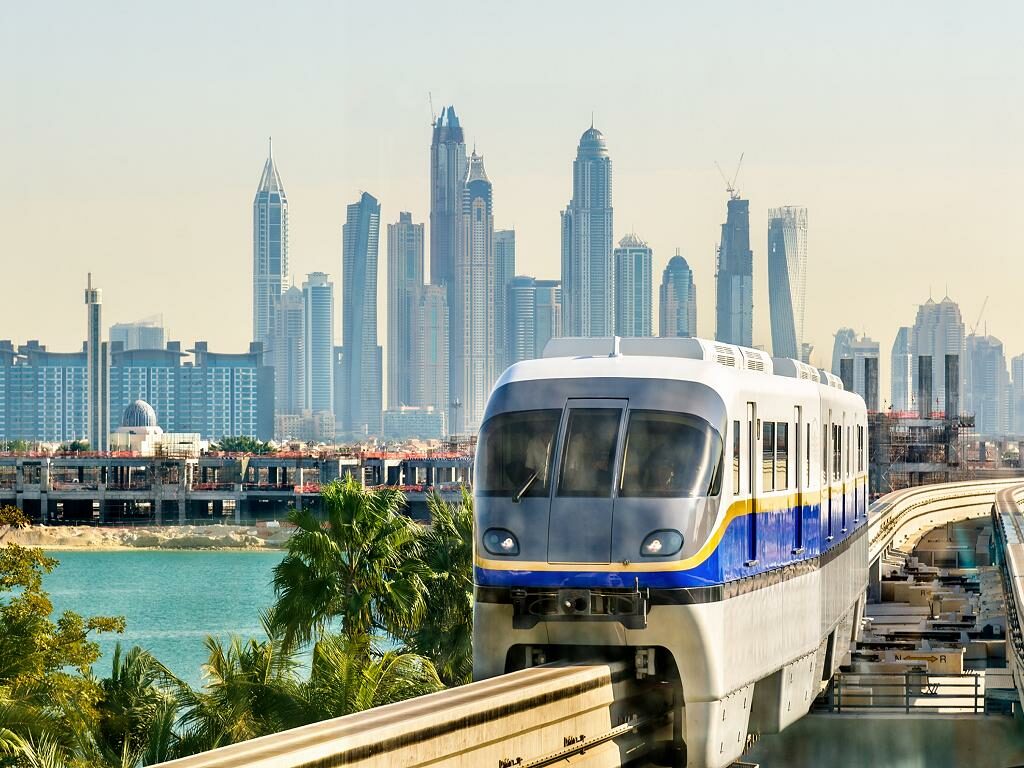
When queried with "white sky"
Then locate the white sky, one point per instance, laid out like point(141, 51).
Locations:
point(134, 135)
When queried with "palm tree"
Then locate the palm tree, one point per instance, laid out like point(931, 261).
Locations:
point(360, 564)
point(251, 689)
point(445, 634)
point(351, 674)
point(134, 699)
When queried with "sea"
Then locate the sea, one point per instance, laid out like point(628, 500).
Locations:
point(171, 600)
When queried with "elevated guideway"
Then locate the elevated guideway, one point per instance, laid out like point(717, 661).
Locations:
point(898, 521)
point(595, 715)
point(1008, 527)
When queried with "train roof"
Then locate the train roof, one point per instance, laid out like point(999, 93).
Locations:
point(723, 366)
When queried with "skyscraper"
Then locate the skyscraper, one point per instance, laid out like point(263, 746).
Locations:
point(318, 302)
point(858, 350)
point(448, 165)
point(633, 289)
point(534, 316)
point(842, 346)
point(678, 299)
point(429, 363)
point(97, 371)
point(361, 360)
point(902, 364)
point(269, 252)
point(504, 271)
point(147, 333)
point(988, 385)
point(588, 287)
point(405, 278)
point(787, 279)
point(472, 315)
point(1017, 396)
point(734, 279)
point(290, 354)
point(938, 331)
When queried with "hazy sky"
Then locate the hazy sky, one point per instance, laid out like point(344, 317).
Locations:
point(134, 134)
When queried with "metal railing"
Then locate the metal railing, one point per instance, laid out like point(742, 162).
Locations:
point(908, 692)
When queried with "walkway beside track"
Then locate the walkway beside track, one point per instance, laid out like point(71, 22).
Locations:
point(598, 715)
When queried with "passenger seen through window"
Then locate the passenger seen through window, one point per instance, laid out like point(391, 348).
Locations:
point(670, 455)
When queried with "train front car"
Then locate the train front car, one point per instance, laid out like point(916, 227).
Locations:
point(624, 511)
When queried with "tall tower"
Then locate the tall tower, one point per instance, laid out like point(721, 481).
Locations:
point(938, 331)
point(97, 367)
point(405, 278)
point(473, 310)
point(902, 361)
point(734, 285)
point(678, 305)
point(504, 271)
point(787, 278)
point(448, 166)
point(429, 364)
point(269, 251)
point(588, 280)
point(318, 301)
point(361, 360)
point(290, 354)
point(633, 289)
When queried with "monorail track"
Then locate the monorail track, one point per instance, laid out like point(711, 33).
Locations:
point(593, 715)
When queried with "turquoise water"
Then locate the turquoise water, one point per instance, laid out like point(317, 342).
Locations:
point(170, 600)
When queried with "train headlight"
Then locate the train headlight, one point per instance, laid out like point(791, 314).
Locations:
point(662, 543)
point(499, 541)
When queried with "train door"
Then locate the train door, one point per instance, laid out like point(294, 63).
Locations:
point(580, 522)
point(753, 471)
point(798, 463)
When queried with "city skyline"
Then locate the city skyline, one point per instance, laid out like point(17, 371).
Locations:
point(182, 149)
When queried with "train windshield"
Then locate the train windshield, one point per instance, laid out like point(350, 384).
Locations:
point(669, 455)
point(515, 453)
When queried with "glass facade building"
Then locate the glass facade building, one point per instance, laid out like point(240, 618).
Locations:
point(473, 309)
point(787, 279)
point(901, 368)
point(588, 275)
point(362, 360)
point(269, 252)
point(677, 307)
point(633, 288)
point(734, 285)
point(405, 278)
point(318, 303)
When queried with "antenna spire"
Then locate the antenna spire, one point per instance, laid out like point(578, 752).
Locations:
point(270, 147)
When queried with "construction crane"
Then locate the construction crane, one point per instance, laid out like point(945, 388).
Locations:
point(730, 186)
point(974, 328)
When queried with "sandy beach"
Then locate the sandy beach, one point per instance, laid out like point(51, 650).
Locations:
point(66, 537)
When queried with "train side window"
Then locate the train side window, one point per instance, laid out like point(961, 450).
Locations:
point(849, 453)
point(736, 457)
point(807, 454)
point(768, 447)
point(824, 454)
point(781, 455)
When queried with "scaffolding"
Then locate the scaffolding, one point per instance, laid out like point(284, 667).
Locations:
point(910, 449)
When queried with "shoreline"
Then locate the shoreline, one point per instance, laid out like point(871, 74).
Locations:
point(168, 538)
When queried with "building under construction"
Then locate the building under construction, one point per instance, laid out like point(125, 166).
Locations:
point(910, 448)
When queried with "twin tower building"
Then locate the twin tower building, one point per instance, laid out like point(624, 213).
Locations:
point(450, 335)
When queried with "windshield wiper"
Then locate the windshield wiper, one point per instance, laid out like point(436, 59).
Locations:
point(525, 488)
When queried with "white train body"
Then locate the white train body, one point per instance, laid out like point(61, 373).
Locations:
point(696, 501)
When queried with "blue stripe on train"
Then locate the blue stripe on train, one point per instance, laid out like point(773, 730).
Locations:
point(776, 540)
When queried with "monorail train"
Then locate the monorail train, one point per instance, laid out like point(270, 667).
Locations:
point(698, 507)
